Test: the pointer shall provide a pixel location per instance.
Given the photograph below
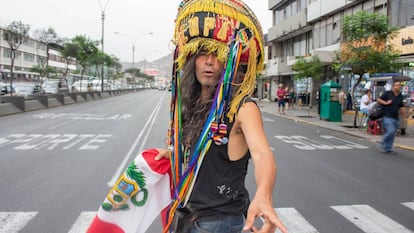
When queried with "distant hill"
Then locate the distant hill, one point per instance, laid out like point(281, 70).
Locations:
point(163, 65)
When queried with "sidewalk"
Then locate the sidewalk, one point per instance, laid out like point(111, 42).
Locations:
point(310, 116)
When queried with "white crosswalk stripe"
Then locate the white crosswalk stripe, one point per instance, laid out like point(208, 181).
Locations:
point(409, 205)
point(369, 219)
point(294, 221)
point(83, 222)
point(366, 218)
point(13, 222)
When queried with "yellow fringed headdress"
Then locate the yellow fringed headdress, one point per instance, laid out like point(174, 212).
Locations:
point(213, 25)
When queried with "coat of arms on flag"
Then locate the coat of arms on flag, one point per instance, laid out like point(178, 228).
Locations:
point(137, 198)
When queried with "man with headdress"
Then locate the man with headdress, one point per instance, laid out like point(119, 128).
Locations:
point(215, 126)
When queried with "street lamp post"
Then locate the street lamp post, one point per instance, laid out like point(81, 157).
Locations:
point(102, 40)
point(133, 41)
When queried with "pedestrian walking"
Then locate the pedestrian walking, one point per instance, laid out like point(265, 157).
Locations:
point(281, 95)
point(215, 126)
point(392, 102)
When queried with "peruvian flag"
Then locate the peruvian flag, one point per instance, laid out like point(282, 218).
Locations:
point(137, 198)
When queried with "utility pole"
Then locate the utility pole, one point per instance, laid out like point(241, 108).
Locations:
point(102, 41)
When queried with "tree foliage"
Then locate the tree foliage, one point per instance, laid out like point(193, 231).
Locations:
point(307, 68)
point(15, 34)
point(86, 49)
point(365, 47)
point(366, 51)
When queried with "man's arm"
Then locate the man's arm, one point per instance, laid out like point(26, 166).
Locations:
point(251, 126)
point(382, 100)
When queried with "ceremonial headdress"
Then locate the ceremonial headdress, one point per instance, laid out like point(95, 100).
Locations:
point(212, 25)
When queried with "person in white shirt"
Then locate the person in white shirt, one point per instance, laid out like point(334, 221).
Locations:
point(365, 101)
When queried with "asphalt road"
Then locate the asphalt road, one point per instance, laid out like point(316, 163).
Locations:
point(56, 166)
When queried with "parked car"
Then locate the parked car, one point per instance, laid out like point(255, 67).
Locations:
point(25, 89)
point(81, 86)
point(53, 86)
point(6, 90)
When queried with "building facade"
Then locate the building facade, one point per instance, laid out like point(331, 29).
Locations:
point(303, 28)
point(29, 54)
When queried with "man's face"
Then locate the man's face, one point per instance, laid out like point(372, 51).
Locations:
point(208, 69)
point(396, 86)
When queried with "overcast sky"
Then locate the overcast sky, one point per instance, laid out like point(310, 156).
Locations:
point(135, 19)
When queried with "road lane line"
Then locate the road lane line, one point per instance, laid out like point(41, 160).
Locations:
point(294, 221)
point(82, 222)
point(144, 141)
point(121, 167)
point(409, 205)
point(370, 220)
point(13, 222)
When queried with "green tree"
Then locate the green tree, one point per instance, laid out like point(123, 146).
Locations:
point(43, 71)
point(308, 68)
point(86, 50)
point(68, 52)
point(366, 50)
point(15, 34)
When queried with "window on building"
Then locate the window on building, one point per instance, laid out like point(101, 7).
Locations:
point(18, 54)
point(294, 7)
point(302, 5)
point(316, 36)
point(288, 11)
point(329, 35)
point(279, 14)
point(299, 45)
point(29, 43)
point(336, 30)
point(309, 42)
point(6, 53)
point(29, 57)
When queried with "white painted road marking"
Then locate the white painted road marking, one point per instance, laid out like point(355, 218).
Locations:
point(330, 143)
point(54, 141)
point(83, 222)
point(294, 221)
point(148, 125)
point(13, 222)
point(365, 217)
point(369, 219)
point(409, 205)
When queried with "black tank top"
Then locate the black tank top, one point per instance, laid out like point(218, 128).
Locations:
point(220, 186)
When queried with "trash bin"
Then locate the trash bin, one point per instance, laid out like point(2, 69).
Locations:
point(330, 108)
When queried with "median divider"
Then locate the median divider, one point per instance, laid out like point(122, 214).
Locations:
point(17, 104)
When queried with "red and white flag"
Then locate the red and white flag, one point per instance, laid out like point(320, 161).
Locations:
point(137, 198)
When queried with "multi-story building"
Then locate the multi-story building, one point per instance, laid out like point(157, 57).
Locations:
point(29, 54)
point(302, 28)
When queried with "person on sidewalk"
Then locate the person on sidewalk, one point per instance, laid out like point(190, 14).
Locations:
point(348, 101)
point(342, 100)
point(366, 99)
point(281, 95)
point(393, 104)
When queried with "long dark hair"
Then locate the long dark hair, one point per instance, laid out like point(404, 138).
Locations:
point(194, 111)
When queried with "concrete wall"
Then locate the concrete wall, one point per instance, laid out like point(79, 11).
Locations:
point(17, 104)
